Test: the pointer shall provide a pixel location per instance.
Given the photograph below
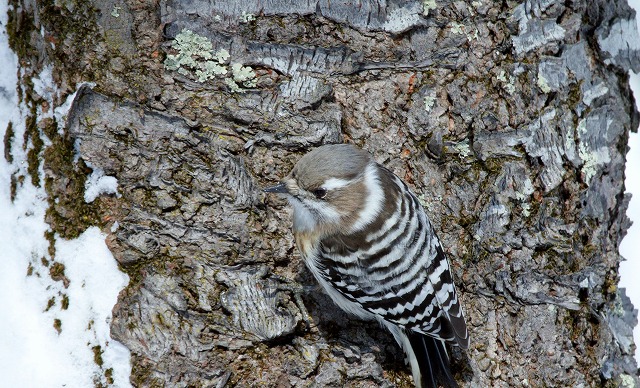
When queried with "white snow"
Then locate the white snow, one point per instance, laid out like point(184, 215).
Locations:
point(45, 87)
point(629, 248)
point(99, 183)
point(32, 352)
point(95, 282)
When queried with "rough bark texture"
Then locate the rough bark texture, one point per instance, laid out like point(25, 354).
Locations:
point(510, 120)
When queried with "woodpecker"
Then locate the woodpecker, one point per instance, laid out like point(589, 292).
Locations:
point(369, 243)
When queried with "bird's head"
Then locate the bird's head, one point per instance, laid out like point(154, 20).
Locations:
point(330, 188)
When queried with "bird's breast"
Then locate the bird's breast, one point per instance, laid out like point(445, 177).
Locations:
point(306, 242)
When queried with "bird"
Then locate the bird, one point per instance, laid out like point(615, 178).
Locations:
point(367, 240)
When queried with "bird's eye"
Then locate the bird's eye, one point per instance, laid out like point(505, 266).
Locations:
point(320, 193)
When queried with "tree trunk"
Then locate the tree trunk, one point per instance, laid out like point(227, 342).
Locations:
point(509, 120)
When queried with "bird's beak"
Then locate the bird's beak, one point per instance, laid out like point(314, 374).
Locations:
point(280, 188)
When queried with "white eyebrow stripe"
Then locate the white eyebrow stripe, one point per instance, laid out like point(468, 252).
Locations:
point(334, 183)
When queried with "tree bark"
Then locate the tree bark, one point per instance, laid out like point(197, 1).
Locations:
point(509, 120)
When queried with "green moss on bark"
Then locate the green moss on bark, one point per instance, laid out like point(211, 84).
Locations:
point(8, 139)
point(57, 324)
point(72, 27)
point(97, 355)
point(56, 271)
point(19, 28)
point(32, 133)
point(64, 304)
point(68, 213)
point(108, 375)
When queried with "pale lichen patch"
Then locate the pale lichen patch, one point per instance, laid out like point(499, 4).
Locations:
point(462, 149)
point(591, 157)
point(507, 83)
point(243, 74)
point(195, 58)
point(429, 102)
point(428, 5)
point(428, 203)
point(626, 381)
point(247, 17)
point(457, 28)
point(543, 84)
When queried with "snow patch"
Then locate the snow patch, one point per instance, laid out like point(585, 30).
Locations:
point(98, 183)
point(56, 310)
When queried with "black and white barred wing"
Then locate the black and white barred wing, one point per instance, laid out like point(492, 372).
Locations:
point(447, 320)
point(399, 273)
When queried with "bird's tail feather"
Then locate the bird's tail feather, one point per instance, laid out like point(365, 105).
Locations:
point(427, 356)
point(433, 361)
